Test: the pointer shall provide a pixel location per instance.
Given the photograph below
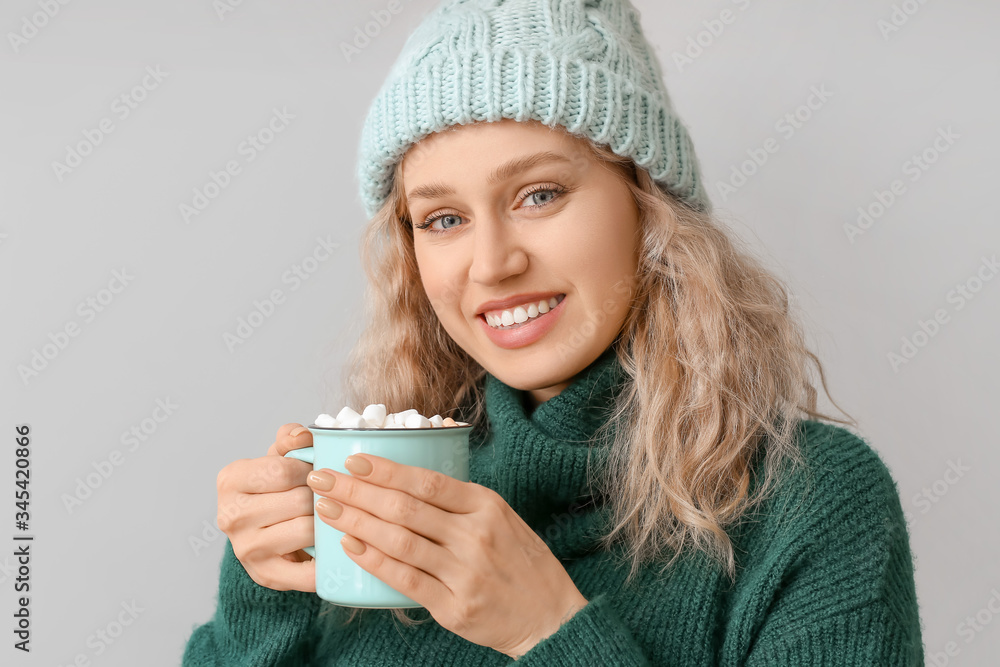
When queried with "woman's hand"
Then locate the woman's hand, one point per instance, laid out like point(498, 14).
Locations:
point(456, 548)
point(265, 508)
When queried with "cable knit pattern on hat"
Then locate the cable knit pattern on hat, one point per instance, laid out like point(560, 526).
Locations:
point(584, 65)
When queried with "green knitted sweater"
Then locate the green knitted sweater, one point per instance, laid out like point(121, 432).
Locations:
point(825, 571)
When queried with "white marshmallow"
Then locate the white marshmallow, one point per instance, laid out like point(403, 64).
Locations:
point(375, 415)
point(357, 421)
point(346, 413)
point(326, 421)
point(417, 421)
point(400, 417)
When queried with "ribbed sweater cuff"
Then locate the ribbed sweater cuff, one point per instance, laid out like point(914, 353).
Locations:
point(595, 635)
point(250, 617)
point(236, 587)
point(865, 637)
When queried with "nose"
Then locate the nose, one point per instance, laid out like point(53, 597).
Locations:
point(497, 252)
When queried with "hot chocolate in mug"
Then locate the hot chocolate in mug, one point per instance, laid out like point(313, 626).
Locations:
point(338, 578)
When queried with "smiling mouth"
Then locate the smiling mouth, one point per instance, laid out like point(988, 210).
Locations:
point(514, 318)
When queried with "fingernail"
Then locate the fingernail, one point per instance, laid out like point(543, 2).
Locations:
point(353, 544)
point(322, 480)
point(358, 466)
point(330, 508)
point(301, 429)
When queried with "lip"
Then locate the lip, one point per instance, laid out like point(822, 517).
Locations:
point(516, 300)
point(527, 333)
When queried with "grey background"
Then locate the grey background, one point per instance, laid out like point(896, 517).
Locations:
point(161, 337)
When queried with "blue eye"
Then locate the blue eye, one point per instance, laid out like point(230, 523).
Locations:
point(552, 194)
point(430, 221)
point(553, 191)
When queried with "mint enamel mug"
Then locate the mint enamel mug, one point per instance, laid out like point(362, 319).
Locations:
point(339, 579)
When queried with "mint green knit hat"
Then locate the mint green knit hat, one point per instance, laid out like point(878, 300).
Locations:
point(581, 64)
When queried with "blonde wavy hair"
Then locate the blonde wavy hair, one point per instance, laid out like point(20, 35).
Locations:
point(717, 372)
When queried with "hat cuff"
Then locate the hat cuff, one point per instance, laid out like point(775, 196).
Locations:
point(586, 99)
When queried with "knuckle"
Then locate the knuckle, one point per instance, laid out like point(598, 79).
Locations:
point(453, 622)
point(403, 544)
point(257, 481)
point(269, 472)
point(494, 502)
point(283, 445)
point(481, 536)
point(464, 609)
point(352, 522)
point(388, 477)
point(465, 615)
point(304, 497)
point(264, 579)
point(429, 485)
point(277, 469)
point(349, 490)
point(476, 583)
point(226, 515)
point(410, 580)
point(402, 508)
point(223, 481)
point(494, 496)
point(223, 521)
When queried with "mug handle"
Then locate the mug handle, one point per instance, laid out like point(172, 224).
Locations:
point(306, 454)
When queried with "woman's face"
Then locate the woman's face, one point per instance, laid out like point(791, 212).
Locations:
point(508, 219)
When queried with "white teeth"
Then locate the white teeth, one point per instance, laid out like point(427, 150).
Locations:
point(520, 314)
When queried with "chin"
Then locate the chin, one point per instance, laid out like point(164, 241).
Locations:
point(533, 378)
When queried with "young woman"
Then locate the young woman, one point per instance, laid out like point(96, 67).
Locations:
point(651, 481)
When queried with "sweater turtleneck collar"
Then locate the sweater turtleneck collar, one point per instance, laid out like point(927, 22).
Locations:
point(538, 460)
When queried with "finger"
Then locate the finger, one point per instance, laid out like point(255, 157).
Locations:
point(281, 574)
point(390, 505)
point(291, 535)
point(283, 506)
point(266, 474)
point(414, 583)
point(282, 432)
point(285, 575)
point(429, 486)
point(291, 436)
point(393, 540)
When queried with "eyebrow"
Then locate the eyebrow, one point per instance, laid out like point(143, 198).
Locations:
point(501, 173)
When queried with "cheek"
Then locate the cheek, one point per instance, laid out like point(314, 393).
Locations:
point(433, 288)
point(428, 277)
point(439, 283)
point(612, 272)
point(609, 258)
point(426, 267)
